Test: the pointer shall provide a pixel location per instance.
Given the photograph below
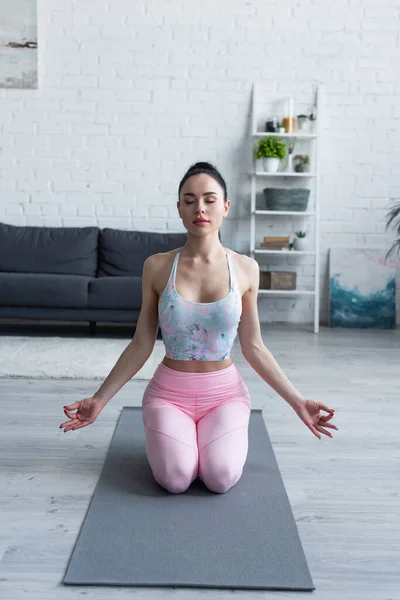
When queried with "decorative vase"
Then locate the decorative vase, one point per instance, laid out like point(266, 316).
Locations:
point(289, 166)
point(288, 120)
point(290, 148)
point(300, 244)
point(271, 164)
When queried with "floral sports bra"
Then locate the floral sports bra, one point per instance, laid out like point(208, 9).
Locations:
point(199, 330)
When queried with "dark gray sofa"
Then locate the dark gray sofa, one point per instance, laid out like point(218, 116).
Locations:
point(76, 273)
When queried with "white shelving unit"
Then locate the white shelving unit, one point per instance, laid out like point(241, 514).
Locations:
point(312, 214)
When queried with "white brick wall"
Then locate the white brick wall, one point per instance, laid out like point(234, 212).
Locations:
point(131, 94)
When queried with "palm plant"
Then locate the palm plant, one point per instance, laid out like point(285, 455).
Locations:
point(393, 220)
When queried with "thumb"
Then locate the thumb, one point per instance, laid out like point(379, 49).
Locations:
point(324, 407)
point(73, 406)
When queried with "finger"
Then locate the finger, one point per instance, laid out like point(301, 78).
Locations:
point(73, 406)
point(75, 416)
point(322, 406)
point(66, 424)
point(82, 425)
point(68, 428)
point(69, 414)
point(312, 428)
point(74, 425)
point(331, 425)
point(327, 417)
point(324, 431)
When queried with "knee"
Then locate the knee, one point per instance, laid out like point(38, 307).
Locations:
point(221, 480)
point(175, 481)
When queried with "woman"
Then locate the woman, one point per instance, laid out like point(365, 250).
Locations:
point(196, 408)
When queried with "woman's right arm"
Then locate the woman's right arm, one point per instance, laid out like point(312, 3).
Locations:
point(140, 348)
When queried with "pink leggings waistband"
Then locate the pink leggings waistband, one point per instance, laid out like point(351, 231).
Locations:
point(184, 381)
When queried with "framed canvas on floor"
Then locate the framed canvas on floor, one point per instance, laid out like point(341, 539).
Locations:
point(362, 288)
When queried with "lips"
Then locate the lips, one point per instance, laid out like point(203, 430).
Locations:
point(200, 221)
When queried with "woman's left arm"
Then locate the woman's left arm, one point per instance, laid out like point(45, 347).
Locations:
point(262, 361)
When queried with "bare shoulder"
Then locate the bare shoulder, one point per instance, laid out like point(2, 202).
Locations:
point(158, 267)
point(247, 270)
point(160, 260)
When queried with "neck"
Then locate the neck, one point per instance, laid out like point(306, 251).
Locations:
point(207, 249)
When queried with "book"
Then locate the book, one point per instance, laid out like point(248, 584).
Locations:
point(276, 239)
point(274, 247)
point(269, 244)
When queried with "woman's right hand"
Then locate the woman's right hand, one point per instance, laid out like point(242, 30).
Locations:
point(87, 411)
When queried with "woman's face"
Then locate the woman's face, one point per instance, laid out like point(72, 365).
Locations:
point(202, 197)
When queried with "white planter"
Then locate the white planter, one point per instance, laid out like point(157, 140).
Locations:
point(303, 124)
point(300, 244)
point(271, 165)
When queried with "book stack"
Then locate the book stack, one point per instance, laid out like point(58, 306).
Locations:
point(275, 243)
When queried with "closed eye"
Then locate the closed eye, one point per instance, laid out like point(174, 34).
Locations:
point(208, 202)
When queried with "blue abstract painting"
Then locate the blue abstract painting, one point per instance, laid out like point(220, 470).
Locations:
point(18, 44)
point(362, 288)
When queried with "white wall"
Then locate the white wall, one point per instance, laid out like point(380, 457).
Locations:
point(131, 93)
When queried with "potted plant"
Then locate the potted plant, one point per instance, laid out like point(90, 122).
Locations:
point(272, 151)
point(393, 220)
point(303, 166)
point(299, 241)
point(281, 127)
point(302, 121)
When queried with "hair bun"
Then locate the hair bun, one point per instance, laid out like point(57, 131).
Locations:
point(202, 165)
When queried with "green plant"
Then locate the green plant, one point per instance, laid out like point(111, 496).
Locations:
point(303, 116)
point(304, 158)
point(301, 234)
point(393, 220)
point(270, 147)
point(313, 117)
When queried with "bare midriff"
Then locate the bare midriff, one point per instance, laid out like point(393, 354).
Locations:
point(197, 366)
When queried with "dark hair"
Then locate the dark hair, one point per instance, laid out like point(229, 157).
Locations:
point(208, 169)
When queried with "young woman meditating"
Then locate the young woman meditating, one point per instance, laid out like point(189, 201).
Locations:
point(196, 407)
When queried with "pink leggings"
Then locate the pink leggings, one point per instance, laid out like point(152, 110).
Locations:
point(196, 425)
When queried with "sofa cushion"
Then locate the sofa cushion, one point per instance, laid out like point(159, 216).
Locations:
point(115, 292)
point(123, 252)
point(62, 250)
point(47, 290)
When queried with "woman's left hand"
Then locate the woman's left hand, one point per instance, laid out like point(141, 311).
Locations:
point(309, 413)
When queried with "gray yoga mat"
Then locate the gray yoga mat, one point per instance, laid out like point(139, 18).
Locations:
point(136, 533)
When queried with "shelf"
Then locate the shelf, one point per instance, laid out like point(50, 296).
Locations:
point(286, 292)
point(282, 174)
point(296, 134)
point(263, 107)
point(297, 213)
point(286, 252)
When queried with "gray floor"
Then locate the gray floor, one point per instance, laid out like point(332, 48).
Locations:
point(344, 491)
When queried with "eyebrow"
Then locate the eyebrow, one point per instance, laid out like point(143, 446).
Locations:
point(206, 194)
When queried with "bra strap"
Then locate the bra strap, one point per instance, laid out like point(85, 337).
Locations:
point(232, 274)
point(173, 270)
